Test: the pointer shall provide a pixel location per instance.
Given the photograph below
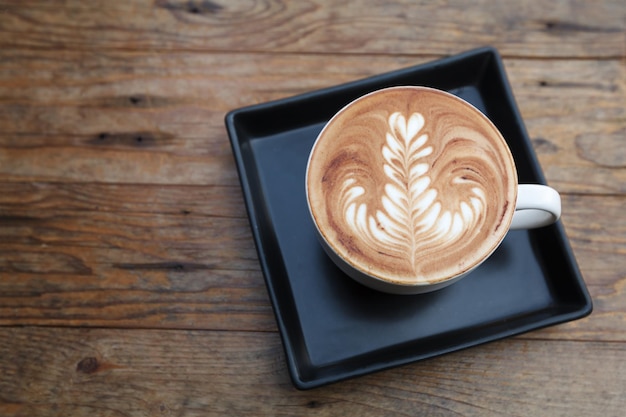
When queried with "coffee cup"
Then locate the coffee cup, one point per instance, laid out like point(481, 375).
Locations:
point(412, 188)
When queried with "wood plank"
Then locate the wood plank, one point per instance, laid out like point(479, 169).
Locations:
point(131, 256)
point(48, 198)
point(567, 28)
point(183, 257)
point(50, 371)
point(575, 117)
point(121, 117)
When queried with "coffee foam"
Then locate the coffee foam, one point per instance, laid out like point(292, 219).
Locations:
point(411, 185)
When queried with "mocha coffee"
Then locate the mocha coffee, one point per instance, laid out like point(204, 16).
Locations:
point(411, 185)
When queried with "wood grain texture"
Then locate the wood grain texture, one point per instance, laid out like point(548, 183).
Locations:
point(576, 120)
point(567, 28)
point(113, 255)
point(48, 372)
point(141, 118)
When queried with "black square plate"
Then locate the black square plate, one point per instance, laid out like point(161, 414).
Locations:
point(333, 328)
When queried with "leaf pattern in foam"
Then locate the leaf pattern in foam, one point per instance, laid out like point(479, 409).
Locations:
point(409, 215)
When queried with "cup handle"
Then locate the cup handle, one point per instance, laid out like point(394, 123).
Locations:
point(537, 206)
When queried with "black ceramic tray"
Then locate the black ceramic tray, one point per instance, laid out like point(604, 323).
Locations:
point(333, 328)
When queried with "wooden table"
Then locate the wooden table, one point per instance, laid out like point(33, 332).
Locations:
point(129, 280)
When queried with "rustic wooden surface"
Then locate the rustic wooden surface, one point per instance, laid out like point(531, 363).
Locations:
point(129, 281)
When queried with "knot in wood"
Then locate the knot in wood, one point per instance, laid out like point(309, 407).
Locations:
point(87, 365)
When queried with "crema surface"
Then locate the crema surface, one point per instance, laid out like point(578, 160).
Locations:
point(411, 185)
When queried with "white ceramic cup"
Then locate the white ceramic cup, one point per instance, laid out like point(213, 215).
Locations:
point(537, 206)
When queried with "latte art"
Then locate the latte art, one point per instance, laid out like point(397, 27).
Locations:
point(408, 186)
point(410, 216)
